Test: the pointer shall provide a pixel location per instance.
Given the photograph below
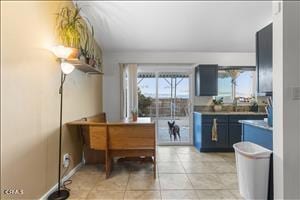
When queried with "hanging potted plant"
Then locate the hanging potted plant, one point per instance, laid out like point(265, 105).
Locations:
point(70, 28)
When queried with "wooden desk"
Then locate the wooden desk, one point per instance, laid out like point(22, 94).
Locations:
point(121, 139)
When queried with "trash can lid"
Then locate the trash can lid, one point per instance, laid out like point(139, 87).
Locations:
point(252, 150)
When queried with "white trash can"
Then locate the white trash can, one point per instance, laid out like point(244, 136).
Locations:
point(253, 163)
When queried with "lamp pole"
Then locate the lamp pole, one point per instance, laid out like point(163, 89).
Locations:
point(61, 53)
point(60, 126)
point(60, 194)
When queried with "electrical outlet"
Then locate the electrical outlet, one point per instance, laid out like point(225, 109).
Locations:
point(66, 160)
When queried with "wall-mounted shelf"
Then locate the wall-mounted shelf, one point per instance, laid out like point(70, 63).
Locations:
point(84, 67)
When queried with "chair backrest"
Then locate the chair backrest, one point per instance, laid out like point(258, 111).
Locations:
point(98, 136)
point(101, 117)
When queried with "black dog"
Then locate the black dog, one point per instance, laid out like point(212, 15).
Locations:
point(174, 130)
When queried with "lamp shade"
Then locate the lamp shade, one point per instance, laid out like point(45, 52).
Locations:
point(67, 68)
point(61, 51)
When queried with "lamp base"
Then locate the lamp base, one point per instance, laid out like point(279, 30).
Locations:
point(59, 195)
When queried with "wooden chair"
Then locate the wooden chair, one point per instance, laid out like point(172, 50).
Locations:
point(98, 140)
point(92, 156)
point(132, 141)
point(97, 118)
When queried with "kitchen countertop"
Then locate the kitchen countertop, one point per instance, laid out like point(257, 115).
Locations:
point(231, 113)
point(257, 123)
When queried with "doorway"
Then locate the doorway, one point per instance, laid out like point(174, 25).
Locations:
point(165, 96)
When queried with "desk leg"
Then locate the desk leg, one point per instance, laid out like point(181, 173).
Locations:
point(154, 164)
point(80, 130)
point(108, 163)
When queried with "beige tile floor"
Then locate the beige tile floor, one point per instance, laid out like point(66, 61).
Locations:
point(183, 173)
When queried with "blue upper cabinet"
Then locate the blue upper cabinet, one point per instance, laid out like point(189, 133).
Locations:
point(206, 80)
point(264, 58)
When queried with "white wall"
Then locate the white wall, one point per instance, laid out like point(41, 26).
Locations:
point(286, 76)
point(111, 80)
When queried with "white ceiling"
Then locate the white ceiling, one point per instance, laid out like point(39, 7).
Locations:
point(177, 26)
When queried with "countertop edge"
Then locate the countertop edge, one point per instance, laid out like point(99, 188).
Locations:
point(257, 123)
point(230, 113)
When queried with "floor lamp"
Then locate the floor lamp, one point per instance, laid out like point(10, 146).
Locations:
point(66, 68)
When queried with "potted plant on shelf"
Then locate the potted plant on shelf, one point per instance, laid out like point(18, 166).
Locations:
point(84, 56)
point(253, 105)
point(134, 113)
point(87, 49)
point(71, 28)
point(217, 104)
point(99, 63)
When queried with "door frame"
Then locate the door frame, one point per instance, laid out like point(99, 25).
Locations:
point(185, 68)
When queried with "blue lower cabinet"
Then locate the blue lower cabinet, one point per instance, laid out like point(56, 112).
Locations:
point(235, 134)
point(222, 133)
point(257, 135)
point(228, 128)
point(197, 130)
point(203, 132)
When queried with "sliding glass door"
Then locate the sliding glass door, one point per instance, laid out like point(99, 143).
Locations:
point(165, 97)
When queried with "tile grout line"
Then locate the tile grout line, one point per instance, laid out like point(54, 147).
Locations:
point(159, 185)
point(90, 190)
point(158, 175)
point(180, 163)
point(93, 187)
point(130, 173)
point(194, 190)
point(187, 174)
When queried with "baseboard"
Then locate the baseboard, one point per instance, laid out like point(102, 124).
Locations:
point(71, 173)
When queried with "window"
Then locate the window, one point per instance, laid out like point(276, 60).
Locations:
point(243, 87)
point(224, 84)
point(245, 84)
